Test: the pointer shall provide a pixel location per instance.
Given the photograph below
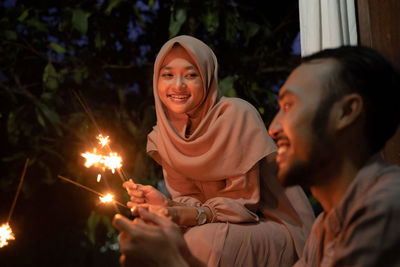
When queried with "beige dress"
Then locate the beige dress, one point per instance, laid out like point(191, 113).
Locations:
point(227, 164)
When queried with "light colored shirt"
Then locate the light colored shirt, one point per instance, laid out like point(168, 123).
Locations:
point(364, 228)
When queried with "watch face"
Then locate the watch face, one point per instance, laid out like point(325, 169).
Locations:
point(201, 217)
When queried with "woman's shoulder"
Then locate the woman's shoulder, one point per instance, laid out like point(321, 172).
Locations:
point(239, 105)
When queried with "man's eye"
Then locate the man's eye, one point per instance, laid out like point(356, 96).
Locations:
point(166, 75)
point(286, 106)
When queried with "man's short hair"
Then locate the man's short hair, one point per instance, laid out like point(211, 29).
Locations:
point(364, 71)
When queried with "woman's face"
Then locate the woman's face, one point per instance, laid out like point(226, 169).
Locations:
point(180, 87)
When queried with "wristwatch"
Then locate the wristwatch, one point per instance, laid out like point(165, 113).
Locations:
point(201, 217)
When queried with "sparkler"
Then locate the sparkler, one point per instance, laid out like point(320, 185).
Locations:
point(5, 229)
point(104, 141)
point(103, 198)
point(5, 234)
point(107, 198)
point(111, 161)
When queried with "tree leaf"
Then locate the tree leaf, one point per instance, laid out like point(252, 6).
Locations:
point(113, 4)
point(24, 15)
point(40, 118)
point(211, 21)
point(251, 30)
point(34, 22)
point(226, 86)
point(50, 77)
point(10, 35)
point(92, 223)
point(58, 48)
point(52, 116)
point(80, 21)
point(98, 41)
point(176, 21)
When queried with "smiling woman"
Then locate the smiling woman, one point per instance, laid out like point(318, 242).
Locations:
point(219, 168)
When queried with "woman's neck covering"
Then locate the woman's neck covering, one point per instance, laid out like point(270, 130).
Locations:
point(227, 135)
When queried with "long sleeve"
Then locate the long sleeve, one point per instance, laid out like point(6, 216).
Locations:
point(371, 236)
point(232, 200)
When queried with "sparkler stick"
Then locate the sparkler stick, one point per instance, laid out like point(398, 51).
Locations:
point(104, 197)
point(5, 229)
point(18, 189)
point(85, 106)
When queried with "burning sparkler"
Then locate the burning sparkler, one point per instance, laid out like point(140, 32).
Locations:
point(111, 161)
point(5, 234)
point(5, 229)
point(108, 198)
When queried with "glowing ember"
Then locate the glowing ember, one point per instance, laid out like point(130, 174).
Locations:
point(98, 177)
point(107, 198)
point(5, 234)
point(103, 140)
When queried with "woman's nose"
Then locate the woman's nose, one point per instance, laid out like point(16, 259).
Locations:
point(180, 82)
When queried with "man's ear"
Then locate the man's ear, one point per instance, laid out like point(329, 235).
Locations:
point(349, 109)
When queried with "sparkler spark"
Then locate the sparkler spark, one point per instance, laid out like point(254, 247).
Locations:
point(5, 234)
point(103, 140)
point(112, 161)
point(107, 198)
point(93, 191)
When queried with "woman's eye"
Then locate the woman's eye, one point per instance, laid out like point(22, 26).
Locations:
point(192, 75)
point(166, 75)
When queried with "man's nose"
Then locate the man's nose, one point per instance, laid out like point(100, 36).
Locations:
point(275, 128)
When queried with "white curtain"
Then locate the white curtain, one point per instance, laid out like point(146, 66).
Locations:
point(326, 24)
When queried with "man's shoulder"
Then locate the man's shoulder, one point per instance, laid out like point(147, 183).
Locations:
point(385, 186)
point(376, 198)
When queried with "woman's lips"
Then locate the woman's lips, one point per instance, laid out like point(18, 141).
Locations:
point(178, 98)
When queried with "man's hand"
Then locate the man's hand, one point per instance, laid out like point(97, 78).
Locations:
point(145, 244)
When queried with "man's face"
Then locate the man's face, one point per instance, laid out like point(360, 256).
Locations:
point(301, 152)
point(180, 86)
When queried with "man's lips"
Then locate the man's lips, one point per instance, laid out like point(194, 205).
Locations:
point(283, 145)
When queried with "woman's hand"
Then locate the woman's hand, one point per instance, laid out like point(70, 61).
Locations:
point(144, 194)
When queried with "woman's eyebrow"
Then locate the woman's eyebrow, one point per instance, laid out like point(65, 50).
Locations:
point(187, 67)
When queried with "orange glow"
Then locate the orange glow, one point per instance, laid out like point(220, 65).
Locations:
point(107, 198)
point(5, 234)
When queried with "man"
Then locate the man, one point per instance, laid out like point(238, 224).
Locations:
point(337, 110)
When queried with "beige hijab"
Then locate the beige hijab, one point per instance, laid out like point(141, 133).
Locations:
point(227, 141)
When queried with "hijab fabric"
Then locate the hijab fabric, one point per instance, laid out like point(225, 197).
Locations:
point(226, 142)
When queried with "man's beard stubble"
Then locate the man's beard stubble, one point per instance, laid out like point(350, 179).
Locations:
point(309, 173)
